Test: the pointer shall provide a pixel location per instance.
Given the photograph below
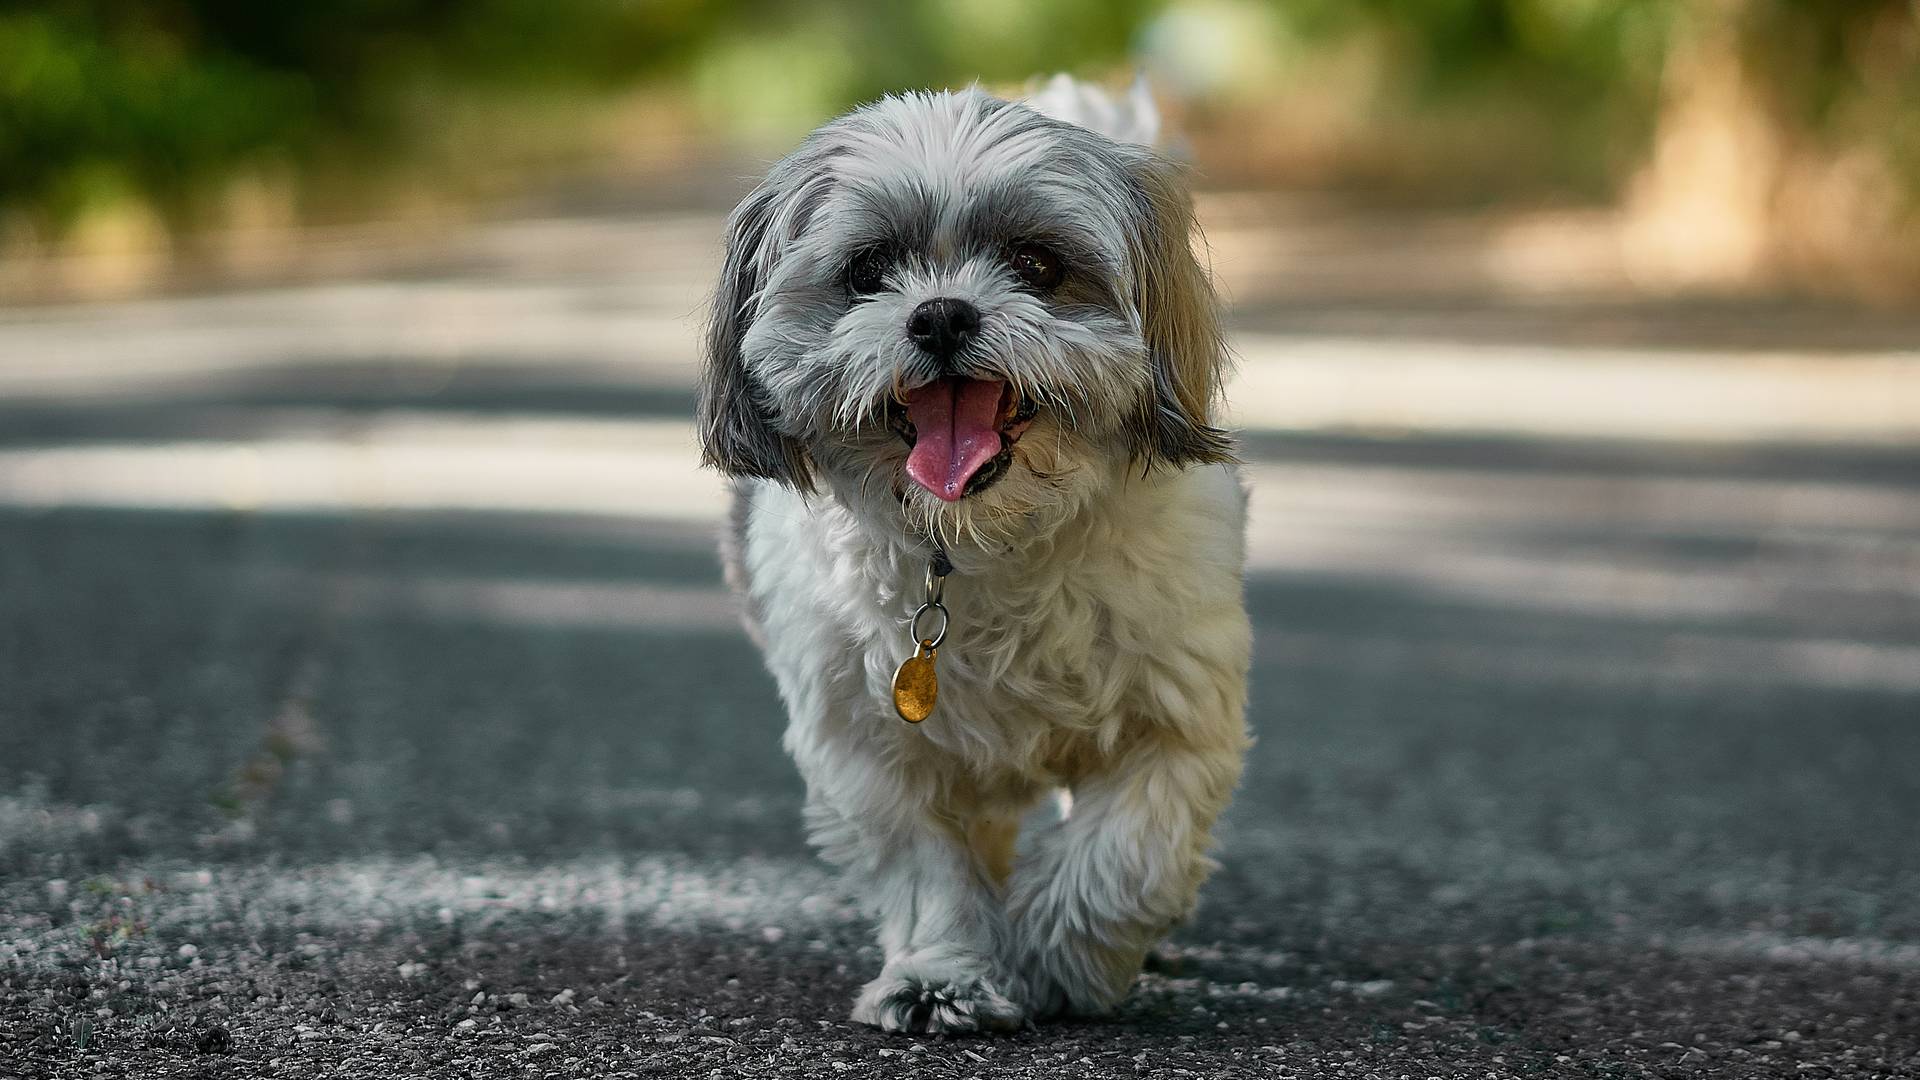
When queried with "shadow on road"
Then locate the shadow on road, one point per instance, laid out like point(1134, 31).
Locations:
point(1561, 745)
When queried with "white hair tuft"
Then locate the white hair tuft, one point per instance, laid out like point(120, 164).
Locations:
point(1132, 118)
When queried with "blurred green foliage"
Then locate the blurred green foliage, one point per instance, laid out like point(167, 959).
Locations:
point(166, 100)
point(161, 98)
point(1565, 89)
point(786, 66)
point(1843, 73)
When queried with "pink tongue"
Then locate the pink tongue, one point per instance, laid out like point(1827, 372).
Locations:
point(954, 433)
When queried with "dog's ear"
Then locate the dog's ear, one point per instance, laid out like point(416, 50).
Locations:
point(1180, 319)
point(736, 429)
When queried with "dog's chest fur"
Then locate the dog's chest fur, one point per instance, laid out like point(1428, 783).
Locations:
point(1061, 647)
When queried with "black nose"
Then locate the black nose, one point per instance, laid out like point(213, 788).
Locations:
point(942, 326)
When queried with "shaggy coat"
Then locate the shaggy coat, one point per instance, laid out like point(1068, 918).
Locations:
point(1099, 643)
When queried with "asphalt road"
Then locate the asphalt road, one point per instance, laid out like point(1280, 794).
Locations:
point(1575, 758)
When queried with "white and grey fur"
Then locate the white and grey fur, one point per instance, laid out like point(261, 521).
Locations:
point(1099, 643)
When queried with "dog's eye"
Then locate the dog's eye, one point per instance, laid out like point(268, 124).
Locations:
point(1038, 267)
point(867, 273)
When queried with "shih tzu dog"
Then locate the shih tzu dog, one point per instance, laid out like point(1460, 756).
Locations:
point(963, 366)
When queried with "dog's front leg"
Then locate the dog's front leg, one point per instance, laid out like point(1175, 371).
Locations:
point(942, 926)
point(1107, 882)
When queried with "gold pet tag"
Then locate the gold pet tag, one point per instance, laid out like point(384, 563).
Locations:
point(915, 685)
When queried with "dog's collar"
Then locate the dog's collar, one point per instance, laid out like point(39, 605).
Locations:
point(915, 685)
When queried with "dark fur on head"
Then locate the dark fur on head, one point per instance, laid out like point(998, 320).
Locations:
point(1126, 356)
point(734, 421)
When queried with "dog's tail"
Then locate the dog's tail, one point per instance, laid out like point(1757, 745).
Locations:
point(1132, 118)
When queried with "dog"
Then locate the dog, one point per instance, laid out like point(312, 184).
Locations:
point(963, 367)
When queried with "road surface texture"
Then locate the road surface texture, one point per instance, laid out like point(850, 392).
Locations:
point(370, 705)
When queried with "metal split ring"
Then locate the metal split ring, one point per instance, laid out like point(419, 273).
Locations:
point(931, 642)
point(936, 586)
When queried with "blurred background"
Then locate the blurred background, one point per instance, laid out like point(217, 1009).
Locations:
point(1723, 144)
point(369, 695)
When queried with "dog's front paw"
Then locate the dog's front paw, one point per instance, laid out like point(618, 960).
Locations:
point(1075, 979)
point(1064, 969)
point(937, 998)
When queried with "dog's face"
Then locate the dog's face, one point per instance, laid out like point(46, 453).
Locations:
point(953, 305)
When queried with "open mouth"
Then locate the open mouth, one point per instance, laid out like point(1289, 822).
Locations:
point(962, 433)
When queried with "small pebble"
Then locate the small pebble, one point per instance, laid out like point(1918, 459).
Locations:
point(213, 1039)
